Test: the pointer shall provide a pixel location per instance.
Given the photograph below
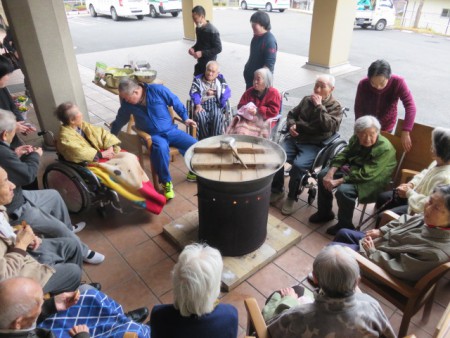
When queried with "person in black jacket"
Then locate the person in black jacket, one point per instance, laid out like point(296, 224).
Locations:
point(208, 43)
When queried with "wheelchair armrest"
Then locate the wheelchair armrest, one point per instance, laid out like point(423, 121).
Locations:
point(330, 140)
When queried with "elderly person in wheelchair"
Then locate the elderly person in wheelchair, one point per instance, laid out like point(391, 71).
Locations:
point(209, 94)
point(360, 172)
point(80, 141)
point(259, 107)
point(410, 247)
point(315, 119)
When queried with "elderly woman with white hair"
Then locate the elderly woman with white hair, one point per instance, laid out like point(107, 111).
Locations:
point(360, 171)
point(258, 104)
point(196, 312)
point(315, 119)
point(339, 308)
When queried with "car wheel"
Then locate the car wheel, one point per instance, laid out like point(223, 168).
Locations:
point(268, 7)
point(243, 5)
point(114, 15)
point(281, 10)
point(174, 14)
point(381, 24)
point(139, 17)
point(153, 12)
point(92, 11)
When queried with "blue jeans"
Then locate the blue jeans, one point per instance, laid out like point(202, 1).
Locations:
point(301, 156)
point(347, 237)
point(160, 156)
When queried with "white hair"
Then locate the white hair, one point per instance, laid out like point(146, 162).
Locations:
point(328, 79)
point(337, 271)
point(266, 75)
point(7, 121)
point(213, 62)
point(196, 280)
point(366, 122)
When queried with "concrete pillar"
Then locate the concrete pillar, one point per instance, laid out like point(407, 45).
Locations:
point(188, 24)
point(45, 45)
point(331, 34)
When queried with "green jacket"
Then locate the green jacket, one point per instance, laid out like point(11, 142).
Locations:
point(370, 169)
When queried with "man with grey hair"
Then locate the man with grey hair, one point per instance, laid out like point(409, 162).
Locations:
point(196, 286)
point(339, 309)
point(44, 210)
point(149, 103)
point(360, 171)
point(315, 119)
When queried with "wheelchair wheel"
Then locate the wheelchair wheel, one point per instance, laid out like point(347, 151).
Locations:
point(279, 132)
point(69, 184)
point(333, 150)
point(325, 155)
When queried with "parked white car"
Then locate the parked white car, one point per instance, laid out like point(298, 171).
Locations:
point(164, 7)
point(118, 8)
point(381, 15)
point(280, 5)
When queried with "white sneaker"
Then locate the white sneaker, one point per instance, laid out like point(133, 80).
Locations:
point(94, 257)
point(76, 228)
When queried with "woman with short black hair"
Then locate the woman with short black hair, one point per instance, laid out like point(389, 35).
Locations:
point(263, 48)
point(378, 95)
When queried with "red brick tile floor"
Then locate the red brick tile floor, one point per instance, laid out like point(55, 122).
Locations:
point(139, 258)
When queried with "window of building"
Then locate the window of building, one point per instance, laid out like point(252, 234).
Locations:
point(445, 12)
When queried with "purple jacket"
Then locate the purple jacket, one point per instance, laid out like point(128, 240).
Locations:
point(383, 103)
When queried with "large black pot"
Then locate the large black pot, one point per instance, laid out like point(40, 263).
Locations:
point(233, 215)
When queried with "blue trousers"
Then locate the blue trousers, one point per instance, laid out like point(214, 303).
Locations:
point(347, 237)
point(160, 150)
point(301, 156)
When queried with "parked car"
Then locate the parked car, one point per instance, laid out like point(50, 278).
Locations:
point(377, 15)
point(118, 8)
point(280, 5)
point(164, 7)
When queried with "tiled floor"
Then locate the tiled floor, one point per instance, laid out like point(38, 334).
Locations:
point(139, 258)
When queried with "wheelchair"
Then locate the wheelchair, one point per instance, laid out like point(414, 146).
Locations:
point(329, 149)
point(227, 114)
point(79, 187)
